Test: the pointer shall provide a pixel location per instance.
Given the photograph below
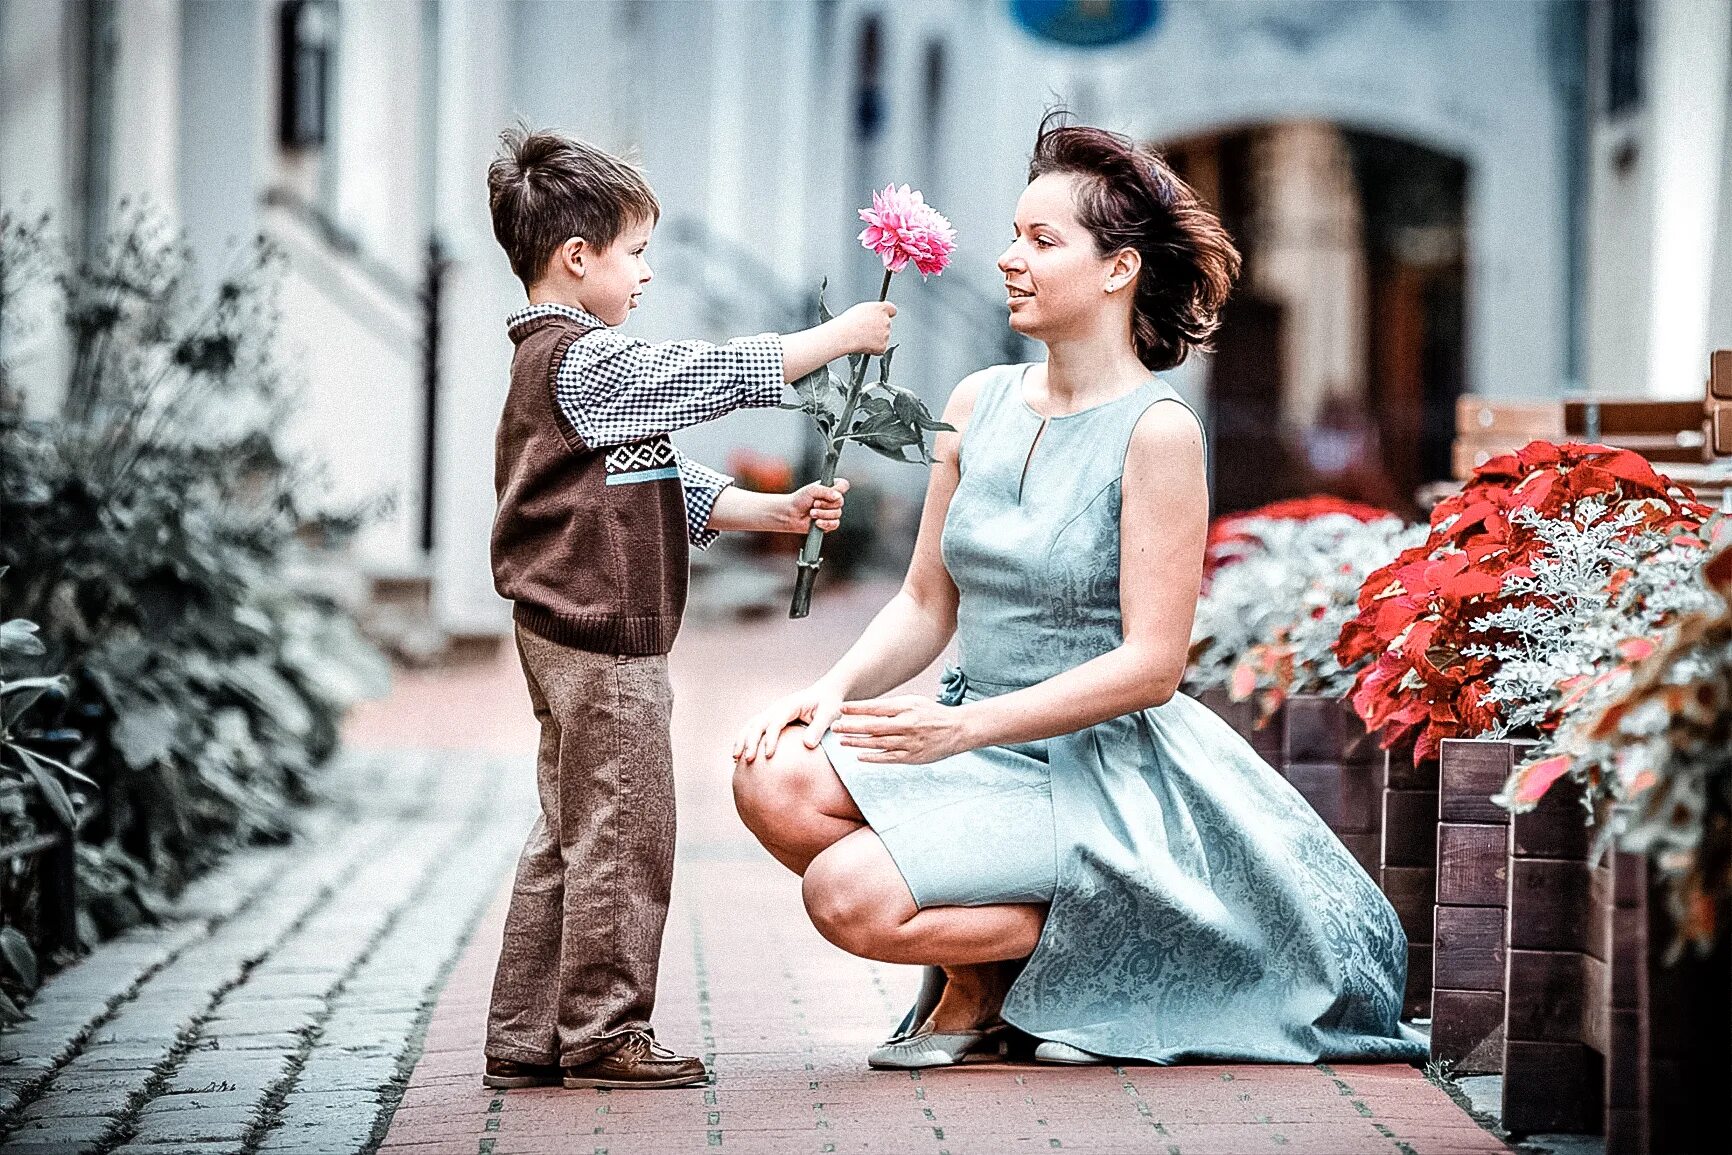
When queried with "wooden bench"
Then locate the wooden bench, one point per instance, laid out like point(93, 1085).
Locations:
point(1676, 434)
point(1720, 403)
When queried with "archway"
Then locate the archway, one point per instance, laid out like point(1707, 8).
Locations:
point(1342, 354)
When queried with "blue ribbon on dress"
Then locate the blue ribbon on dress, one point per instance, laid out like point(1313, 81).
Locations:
point(953, 685)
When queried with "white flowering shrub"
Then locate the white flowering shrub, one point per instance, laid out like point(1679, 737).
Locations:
point(1274, 607)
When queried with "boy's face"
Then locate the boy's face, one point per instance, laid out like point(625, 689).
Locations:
point(614, 277)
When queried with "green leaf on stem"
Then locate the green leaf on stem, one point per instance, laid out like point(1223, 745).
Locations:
point(21, 695)
point(15, 949)
point(884, 433)
point(19, 637)
point(58, 800)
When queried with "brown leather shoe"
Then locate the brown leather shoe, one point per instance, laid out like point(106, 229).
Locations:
point(638, 1062)
point(506, 1075)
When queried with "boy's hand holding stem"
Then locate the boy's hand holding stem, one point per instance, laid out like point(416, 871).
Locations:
point(864, 328)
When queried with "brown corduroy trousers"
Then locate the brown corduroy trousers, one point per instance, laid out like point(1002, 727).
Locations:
point(577, 970)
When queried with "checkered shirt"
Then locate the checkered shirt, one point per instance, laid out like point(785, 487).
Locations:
point(616, 390)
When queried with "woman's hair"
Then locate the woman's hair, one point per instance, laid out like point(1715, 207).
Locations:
point(1127, 198)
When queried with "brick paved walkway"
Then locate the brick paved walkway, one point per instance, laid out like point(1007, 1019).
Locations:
point(785, 1019)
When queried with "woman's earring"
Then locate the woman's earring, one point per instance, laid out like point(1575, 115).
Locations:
point(1111, 287)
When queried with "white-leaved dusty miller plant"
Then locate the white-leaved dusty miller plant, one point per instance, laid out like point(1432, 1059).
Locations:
point(1594, 589)
point(1652, 748)
point(1285, 587)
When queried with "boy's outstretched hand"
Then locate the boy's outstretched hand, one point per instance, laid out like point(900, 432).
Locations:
point(862, 328)
point(867, 326)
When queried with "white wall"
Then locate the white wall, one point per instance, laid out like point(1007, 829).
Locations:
point(355, 349)
point(377, 149)
point(146, 159)
point(227, 127)
point(1690, 53)
point(39, 156)
point(475, 353)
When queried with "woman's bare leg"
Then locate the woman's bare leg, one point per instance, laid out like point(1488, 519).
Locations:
point(858, 900)
point(797, 807)
point(793, 802)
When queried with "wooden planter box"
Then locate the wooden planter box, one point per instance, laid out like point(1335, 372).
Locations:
point(1640, 1051)
point(1550, 970)
point(1470, 920)
point(1407, 866)
point(1338, 768)
point(1669, 1079)
point(1512, 931)
point(1555, 985)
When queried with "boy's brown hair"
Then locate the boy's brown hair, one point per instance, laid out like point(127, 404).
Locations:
point(545, 188)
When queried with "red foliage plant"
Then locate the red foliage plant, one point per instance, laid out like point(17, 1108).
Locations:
point(1415, 612)
point(1227, 533)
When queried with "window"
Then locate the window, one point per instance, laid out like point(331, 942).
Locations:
point(868, 82)
point(1623, 57)
point(309, 33)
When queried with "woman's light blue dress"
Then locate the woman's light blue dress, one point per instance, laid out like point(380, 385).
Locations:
point(1199, 908)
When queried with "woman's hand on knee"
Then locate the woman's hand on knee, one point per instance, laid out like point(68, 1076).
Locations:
point(817, 706)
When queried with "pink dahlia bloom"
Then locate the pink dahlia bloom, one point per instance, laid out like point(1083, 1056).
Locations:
point(902, 227)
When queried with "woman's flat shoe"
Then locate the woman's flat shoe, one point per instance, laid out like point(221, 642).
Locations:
point(1052, 1052)
point(934, 1049)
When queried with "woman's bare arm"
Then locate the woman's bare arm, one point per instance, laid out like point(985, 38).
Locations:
point(915, 626)
point(907, 634)
point(1163, 523)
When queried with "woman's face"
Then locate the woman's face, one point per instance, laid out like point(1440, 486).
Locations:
point(1053, 278)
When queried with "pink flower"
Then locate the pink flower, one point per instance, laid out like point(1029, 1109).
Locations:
point(902, 227)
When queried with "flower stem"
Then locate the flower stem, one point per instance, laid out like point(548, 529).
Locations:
point(811, 552)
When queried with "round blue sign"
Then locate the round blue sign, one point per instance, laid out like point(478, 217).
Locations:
point(1087, 23)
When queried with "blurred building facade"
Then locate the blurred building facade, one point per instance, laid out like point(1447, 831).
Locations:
point(1524, 199)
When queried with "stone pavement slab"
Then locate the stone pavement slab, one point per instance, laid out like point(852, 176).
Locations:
point(278, 1004)
point(785, 1020)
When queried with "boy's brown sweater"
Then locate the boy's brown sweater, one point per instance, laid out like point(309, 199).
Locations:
point(597, 566)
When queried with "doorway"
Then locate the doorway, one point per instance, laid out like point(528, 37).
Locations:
point(1340, 358)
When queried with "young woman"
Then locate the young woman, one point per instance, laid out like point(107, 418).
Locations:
point(1089, 856)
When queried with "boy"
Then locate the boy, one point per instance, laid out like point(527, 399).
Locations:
point(596, 509)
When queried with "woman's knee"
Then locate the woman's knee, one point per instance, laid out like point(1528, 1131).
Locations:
point(856, 897)
point(778, 786)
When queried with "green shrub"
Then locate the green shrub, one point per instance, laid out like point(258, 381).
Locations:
point(167, 551)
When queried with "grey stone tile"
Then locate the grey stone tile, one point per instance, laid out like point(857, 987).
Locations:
point(346, 1073)
point(263, 1017)
point(85, 1129)
point(205, 1071)
point(240, 1098)
point(260, 1041)
point(61, 1102)
point(229, 1124)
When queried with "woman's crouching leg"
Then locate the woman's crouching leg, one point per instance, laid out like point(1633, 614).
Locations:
point(793, 802)
point(857, 898)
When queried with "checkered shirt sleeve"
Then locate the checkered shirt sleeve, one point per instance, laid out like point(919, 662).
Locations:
point(616, 389)
point(703, 487)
